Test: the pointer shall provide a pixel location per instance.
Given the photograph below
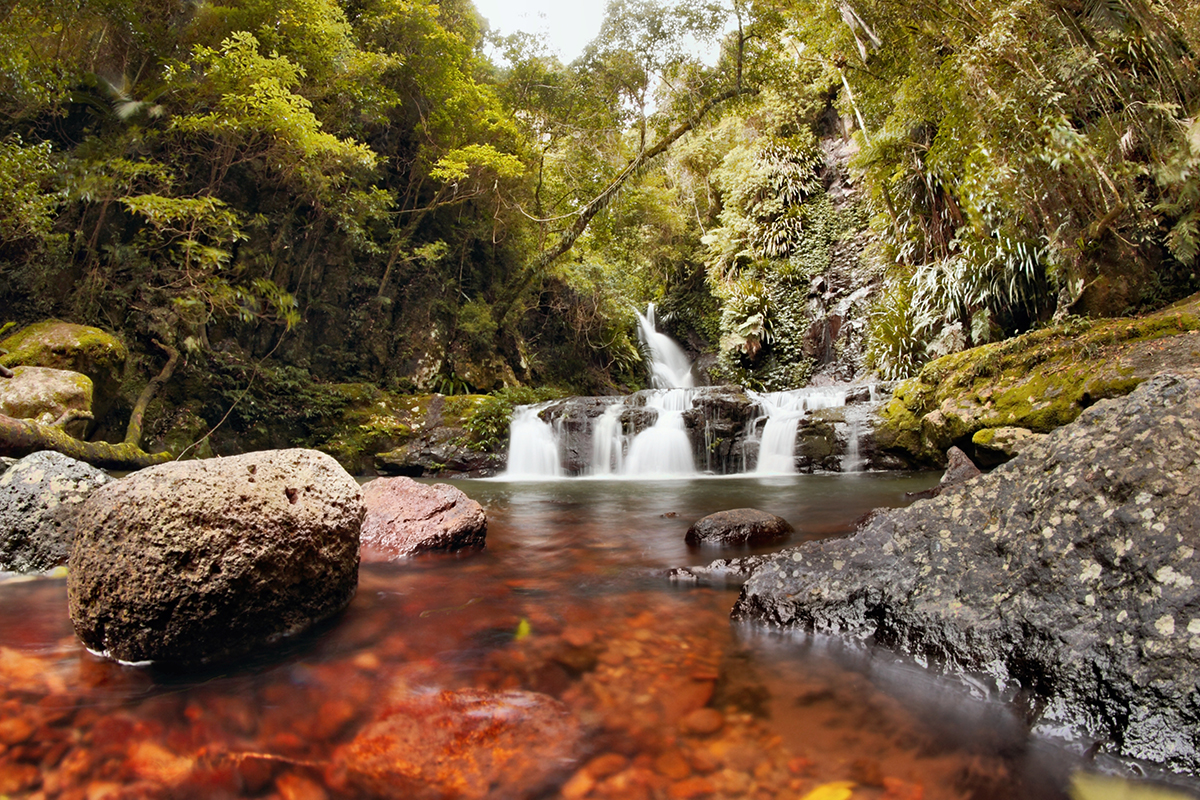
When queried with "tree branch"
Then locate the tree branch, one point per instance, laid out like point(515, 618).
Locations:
point(133, 432)
point(20, 437)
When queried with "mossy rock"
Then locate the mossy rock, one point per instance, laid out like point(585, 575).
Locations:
point(1039, 381)
point(376, 421)
point(76, 348)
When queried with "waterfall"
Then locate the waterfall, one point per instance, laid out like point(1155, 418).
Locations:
point(664, 447)
point(669, 365)
point(852, 461)
point(532, 449)
point(608, 442)
point(783, 411)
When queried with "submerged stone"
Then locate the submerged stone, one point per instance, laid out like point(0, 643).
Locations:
point(463, 745)
point(194, 562)
point(39, 498)
point(405, 518)
point(739, 527)
point(1069, 573)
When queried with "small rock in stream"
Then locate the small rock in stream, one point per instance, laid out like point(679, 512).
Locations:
point(405, 518)
point(739, 527)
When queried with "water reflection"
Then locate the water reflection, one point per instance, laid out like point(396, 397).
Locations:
point(568, 600)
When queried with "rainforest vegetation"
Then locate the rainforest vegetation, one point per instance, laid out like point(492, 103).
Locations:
point(301, 193)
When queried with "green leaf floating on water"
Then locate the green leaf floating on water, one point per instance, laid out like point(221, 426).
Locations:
point(1097, 787)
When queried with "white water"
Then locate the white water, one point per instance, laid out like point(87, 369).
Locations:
point(532, 449)
point(608, 442)
point(663, 449)
point(669, 365)
point(783, 411)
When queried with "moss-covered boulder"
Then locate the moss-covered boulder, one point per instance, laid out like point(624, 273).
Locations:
point(1038, 381)
point(76, 348)
point(45, 395)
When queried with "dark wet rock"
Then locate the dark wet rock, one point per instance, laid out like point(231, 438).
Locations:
point(193, 562)
point(405, 518)
point(39, 497)
point(994, 446)
point(959, 469)
point(738, 527)
point(466, 745)
point(439, 453)
point(1067, 577)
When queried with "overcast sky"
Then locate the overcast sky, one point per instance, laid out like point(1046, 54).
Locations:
point(568, 24)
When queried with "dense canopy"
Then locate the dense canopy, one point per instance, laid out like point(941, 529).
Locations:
point(380, 190)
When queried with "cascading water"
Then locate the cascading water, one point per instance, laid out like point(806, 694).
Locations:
point(664, 448)
point(783, 411)
point(532, 449)
point(669, 365)
point(589, 435)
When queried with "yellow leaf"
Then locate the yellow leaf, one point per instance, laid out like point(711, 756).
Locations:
point(523, 629)
point(838, 790)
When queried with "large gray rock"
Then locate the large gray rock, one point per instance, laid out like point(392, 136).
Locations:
point(1069, 576)
point(39, 497)
point(202, 561)
point(405, 518)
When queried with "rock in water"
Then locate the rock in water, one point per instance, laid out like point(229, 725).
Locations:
point(738, 527)
point(465, 745)
point(1069, 572)
point(39, 497)
point(189, 563)
point(405, 518)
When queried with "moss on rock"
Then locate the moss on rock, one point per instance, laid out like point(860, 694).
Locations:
point(77, 348)
point(1039, 381)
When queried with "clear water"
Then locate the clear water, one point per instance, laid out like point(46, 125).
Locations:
point(567, 562)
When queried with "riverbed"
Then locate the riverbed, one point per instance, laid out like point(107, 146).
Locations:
point(571, 599)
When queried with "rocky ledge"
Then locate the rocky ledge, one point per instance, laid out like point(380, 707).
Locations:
point(1068, 577)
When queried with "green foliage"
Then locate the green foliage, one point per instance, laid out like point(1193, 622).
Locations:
point(28, 195)
point(487, 426)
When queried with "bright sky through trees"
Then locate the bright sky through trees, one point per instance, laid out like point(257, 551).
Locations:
point(568, 24)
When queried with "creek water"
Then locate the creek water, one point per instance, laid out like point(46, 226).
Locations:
point(569, 598)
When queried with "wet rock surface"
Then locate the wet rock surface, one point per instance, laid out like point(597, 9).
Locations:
point(1066, 577)
point(39, 497)
point(738, 527)
point(405, 518)
point(959, 469)
point(189, 563)
point(468, 745)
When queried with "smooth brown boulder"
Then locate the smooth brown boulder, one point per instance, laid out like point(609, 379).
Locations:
point(463, 745)
point(194, 562)
point(739, 527)
point(405, 517)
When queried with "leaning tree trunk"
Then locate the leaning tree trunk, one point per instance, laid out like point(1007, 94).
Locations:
point(20, 437)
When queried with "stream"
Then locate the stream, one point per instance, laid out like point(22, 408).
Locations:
point(570, 598)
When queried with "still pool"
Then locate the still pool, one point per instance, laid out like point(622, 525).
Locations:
point(569, 599)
